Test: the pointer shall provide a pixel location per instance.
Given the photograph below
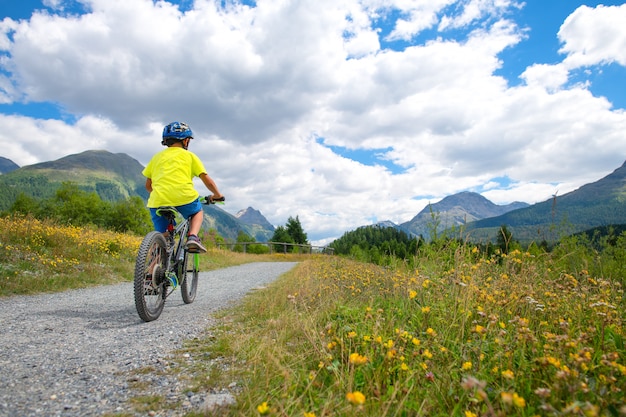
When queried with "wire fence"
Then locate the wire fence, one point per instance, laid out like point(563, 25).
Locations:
point(277, 247)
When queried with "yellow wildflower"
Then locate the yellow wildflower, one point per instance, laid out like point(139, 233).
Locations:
point(466, 366)
point(508, 374)
point(263, 408)
point(357, 359)
point(356, 398)
point(412, 294)
point(425, 309)
point(518, 401)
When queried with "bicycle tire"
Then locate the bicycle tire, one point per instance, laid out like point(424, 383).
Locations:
point(189, 281)
point(149, 284)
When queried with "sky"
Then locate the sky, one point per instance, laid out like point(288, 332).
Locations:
point(343, 113)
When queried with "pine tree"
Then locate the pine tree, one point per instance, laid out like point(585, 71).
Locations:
point(294, 229)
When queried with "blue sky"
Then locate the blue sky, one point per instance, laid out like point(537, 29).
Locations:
point(317, 108)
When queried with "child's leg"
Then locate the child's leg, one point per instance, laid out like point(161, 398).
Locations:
point(160, 223)
point(193, 243)
point(195, 223)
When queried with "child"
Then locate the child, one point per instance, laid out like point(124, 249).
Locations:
point(169, 181)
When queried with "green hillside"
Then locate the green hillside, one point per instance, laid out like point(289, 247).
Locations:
point(601, 203)
point(113, 177)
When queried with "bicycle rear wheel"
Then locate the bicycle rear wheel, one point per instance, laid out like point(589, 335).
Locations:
point(149, 282)
point(188, 276)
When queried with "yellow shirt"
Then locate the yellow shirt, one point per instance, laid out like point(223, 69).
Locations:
point(172, 171)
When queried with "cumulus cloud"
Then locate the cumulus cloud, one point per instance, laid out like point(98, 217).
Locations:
point(594, 36)
point(271, 89)
point(550, 77)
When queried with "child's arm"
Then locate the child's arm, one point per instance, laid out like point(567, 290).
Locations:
point(210, 184)
point(149, 185)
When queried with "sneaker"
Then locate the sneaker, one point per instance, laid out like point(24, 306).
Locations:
point(173, 280)
point(194, 246)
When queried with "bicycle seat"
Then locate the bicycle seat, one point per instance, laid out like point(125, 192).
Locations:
point(167, 211)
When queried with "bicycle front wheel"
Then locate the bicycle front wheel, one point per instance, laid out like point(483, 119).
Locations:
point(188, 276)
point(149, 282)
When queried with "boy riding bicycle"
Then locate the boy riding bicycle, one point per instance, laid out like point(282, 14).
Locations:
point(169, 176)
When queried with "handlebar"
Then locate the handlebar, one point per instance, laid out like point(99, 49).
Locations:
point(210, 200)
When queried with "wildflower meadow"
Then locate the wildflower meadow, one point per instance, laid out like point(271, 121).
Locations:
point(41, 255)
point(466, 334)
point(454, 332)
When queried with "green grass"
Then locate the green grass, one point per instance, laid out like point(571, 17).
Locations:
point(522, 334)
point(40, 256)
point(513, 335)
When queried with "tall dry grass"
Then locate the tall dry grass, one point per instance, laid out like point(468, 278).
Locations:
point(512, 335)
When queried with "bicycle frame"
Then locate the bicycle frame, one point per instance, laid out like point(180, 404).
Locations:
point(175, 246)
point(163, 264)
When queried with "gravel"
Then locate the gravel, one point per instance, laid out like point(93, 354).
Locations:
point(71, 353)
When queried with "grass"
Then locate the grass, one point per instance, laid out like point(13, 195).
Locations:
point(511, 335)
point(523, 334)
point(40, 256)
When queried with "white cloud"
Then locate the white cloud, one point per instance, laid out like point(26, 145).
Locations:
point(593, 36)
point(477, 10)
point(259, 84)
point(550, 77)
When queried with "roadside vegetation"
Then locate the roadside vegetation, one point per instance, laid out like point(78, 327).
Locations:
point(451, 328)
point(38, 256)
point(526, 333)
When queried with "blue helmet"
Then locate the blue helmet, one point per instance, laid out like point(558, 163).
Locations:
point(176, 131)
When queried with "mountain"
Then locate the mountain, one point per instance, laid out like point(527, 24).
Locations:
point(113, 177)
point(455, 210)
point(601, 203)
point(389, 223)
point(255, 224)
point(251, 216)
point(6, 165)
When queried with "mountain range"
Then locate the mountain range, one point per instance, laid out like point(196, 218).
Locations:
point(453, 211)
point(601, 203)
point(597, 204)
point(113, 177)
point(118, 176)
point(6, 165)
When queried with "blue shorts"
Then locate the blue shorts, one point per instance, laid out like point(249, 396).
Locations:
point(160, 223)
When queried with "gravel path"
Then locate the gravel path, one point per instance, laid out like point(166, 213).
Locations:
point(69, 354)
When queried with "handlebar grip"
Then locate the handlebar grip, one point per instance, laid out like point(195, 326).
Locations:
point(210, 200)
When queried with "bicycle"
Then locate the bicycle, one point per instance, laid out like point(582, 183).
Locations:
point(162, 266)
